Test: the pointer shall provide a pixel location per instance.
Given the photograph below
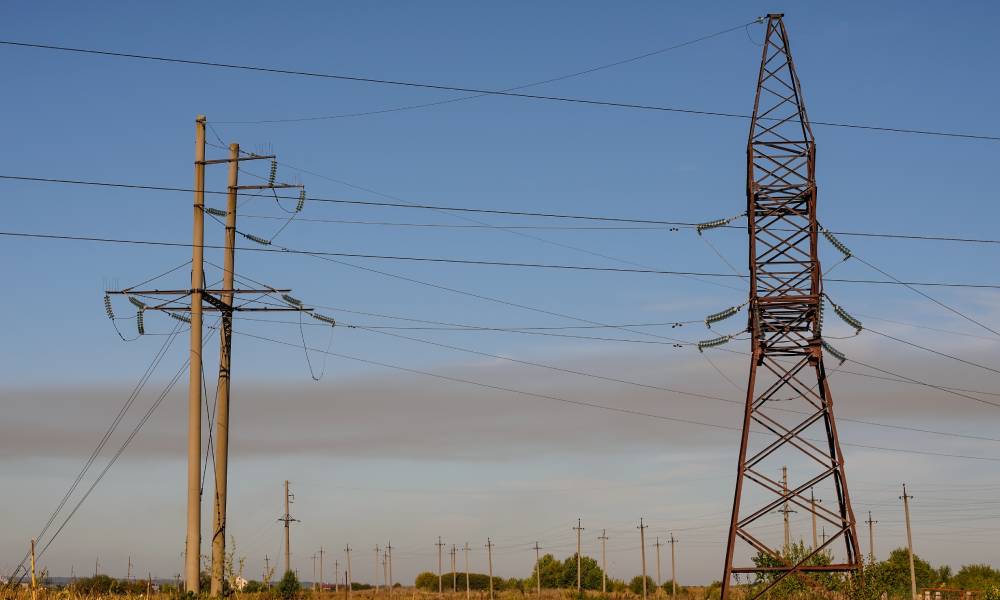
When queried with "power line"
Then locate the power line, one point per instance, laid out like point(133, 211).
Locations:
point(469, 90)
point(585, 403)
point(461, 209)
point(285, 250)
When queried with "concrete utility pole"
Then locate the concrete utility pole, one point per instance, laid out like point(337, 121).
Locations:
point(34, 583)
point(287, 519)
point(321, 553)
point(784, 507)
point(871, 537)
point(657, 545)
point(388, 556)
point(128, 573)
point(642, 545)
point(812, 504)
point(538, 569)
point(468, 588)
point(909, 541)
point(440, 545)
point(192, 543)
point(579, 575)
point(350, 580)
point(489, 553)
point(267, 571)
point(385, 573)
point(336, 576)
point(604, 562)
point(376, 568)
point(97, 561)
point(454, 573)
point(225, 356)
point(314, 557)
point(673, 567)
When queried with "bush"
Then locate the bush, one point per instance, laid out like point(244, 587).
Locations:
point(289, 586)
point(635, 586)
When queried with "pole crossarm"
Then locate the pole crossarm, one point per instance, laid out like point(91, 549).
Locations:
point(785, 323)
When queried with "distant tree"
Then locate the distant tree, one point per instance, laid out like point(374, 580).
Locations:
point(713, 591)
point(551, 570)
point(635, 586)
point(289, 586)
point(976, 577)
point(894, 573)
point(427, 581)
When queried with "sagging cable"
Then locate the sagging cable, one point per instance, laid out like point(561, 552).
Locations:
point(330, 320)
point(722, 315)
point(107, 307)
point(846, 317)
point(836, 243)
point(840, 356)
point(713, 342)
point(700, 227)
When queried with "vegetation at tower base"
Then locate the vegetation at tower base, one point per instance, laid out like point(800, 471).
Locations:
point(428, 581)
point(635, 586)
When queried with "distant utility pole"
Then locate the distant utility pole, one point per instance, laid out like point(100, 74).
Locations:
point(454, 574)
point(657, 545)
point(909, 541)
point(823, 534)
point(468, 588)
point(314, 557)
point(288, 520)
point(388, 557)
point(336, 576)
point(350, 580)
point(97, 561)
point(538, 569)
point(489, 553)
point(376, 568)
point(784, 510)
point(267, 571)
point(579, 575)
point(128, 573)
point(812, 505)
point(604, 562)
point(321, 553)
point(673, 567)
point(385, 573)
point(871, 537)
point(642, 545)
point(440, 545)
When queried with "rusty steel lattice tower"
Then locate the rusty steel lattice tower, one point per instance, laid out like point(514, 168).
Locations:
point(787, 361)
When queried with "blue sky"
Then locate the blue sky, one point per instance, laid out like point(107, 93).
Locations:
point(85, 117)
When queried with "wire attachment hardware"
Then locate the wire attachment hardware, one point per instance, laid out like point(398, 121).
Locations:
point(840, 356)
point(291, 300)
point(215, 211)
point(273, 174)
point(139, 325)
point(137, 303)
point(107, 307)
point(330, 320)
point(713, 342)
point(302, 200)
point(181, 318)
point(846, 317)
point(700, 227)
point(256, 238)
point(836, 243)
point(722, 315)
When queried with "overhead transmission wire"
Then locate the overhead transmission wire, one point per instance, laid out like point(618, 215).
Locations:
point(523, 86)
point(323, 254)
point(133, 395)
point(471, 90)
point(443, 208)
point(594, 405)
